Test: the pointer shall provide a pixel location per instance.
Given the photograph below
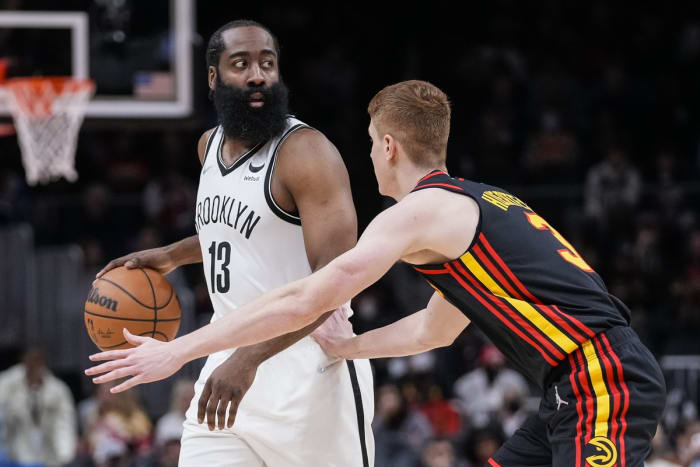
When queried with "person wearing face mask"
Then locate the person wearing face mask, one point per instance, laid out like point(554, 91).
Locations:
point(483, 391)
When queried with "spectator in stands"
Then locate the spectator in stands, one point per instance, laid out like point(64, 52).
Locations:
point(552, 153)
point(169, 201)
point(688, 445)
point(612, 191)
point(122, 430)
point(89, 408)
point(514, 410)
point(661, 455)
point(88, 415)
point(483, 444)
point(169, 427)
point(38, 413)
point(484, 391)
point(399, 431)
point(670, 196)
point(442, 414)
point(440, 452)
point(692, 268)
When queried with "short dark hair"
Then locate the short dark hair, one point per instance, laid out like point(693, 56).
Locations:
point(216, 41)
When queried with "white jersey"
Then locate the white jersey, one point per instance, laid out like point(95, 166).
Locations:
point(250, 246)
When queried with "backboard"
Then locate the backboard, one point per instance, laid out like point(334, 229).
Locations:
point(138, 52)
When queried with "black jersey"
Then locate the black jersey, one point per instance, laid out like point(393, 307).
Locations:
point(521, 282)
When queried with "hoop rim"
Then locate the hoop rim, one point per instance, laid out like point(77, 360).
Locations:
point(35, 95)
point(59, 82)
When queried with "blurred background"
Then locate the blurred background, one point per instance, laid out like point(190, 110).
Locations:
point(588, 111)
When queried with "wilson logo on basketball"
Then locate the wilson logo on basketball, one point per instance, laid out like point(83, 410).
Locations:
point(102, 300)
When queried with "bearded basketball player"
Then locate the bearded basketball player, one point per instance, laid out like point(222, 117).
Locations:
point(273, 205)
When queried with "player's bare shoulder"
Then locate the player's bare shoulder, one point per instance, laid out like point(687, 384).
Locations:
point(448, 221)
point(307, 153)
point(202, 144)
point(437, 205)
point(309, 166)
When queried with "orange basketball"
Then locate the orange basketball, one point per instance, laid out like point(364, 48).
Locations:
point(141, 300)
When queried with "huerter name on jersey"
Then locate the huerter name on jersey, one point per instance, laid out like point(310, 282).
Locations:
point(220, 209)
point(503, 200)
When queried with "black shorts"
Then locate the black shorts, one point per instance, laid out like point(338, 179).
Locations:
point(600, 408)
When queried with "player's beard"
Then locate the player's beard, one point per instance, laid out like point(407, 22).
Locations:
point(251, 124)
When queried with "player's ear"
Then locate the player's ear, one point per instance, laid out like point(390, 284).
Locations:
point(389, 146)
point(212, 77)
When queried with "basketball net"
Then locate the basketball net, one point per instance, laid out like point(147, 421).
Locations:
point(48, 113)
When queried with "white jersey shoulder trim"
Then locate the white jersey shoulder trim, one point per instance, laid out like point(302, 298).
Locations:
point(210, 138)
point(281, 213)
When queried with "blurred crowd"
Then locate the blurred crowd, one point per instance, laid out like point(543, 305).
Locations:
point(42, 425)
point(590, 115)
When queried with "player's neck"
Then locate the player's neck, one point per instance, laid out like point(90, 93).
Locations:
point(233, 149)
point(408, 176)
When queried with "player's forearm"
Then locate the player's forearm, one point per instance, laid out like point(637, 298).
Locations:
point(258, 353)
point(404, 337)
point(275, 313)
point(286, 309)
point(186, 251)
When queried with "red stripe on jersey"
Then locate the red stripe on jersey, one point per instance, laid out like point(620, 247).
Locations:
point(576, 322)
point(579, 410)
point(440, 172)
point(515, 317)
point(626, 396)
point(583, 379)
point(496, 273)
point(455, 187)
point(612, 388)
point(514, 293)
point(473, 293)
point(510, 274)
point(493, 463)
point(560, 321)
point(494, 255)
point(431, 271)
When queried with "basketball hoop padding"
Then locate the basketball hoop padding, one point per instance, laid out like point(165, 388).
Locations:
point(48, 113)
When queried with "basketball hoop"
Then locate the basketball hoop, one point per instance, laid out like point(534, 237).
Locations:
point(48, 112)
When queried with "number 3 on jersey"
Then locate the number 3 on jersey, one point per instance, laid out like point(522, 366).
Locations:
point(569, 253)
point(220, 281)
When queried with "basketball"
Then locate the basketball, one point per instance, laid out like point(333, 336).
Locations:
point(141, 300)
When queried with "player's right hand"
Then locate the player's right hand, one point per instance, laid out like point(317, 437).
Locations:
point(225, 387)
point(150, 360)
point(335, 332)
point(155, 258)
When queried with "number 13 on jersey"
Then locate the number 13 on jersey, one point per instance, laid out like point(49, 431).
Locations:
point(569, 253)
point(220, 278)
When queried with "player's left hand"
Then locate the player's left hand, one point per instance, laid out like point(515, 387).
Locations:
point(334, 333)
point(228, 383)
point(151, 360)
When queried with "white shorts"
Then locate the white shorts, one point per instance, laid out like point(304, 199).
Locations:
point(302, 410)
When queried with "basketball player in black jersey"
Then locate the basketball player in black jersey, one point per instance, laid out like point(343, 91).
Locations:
point(492, 260)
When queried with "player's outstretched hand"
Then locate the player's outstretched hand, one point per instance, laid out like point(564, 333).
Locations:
point(334, 333)
point(228, 383)
point(155, 258)
point(151, 360)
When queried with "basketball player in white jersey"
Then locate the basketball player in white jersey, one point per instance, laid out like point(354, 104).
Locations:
point(273, 205)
